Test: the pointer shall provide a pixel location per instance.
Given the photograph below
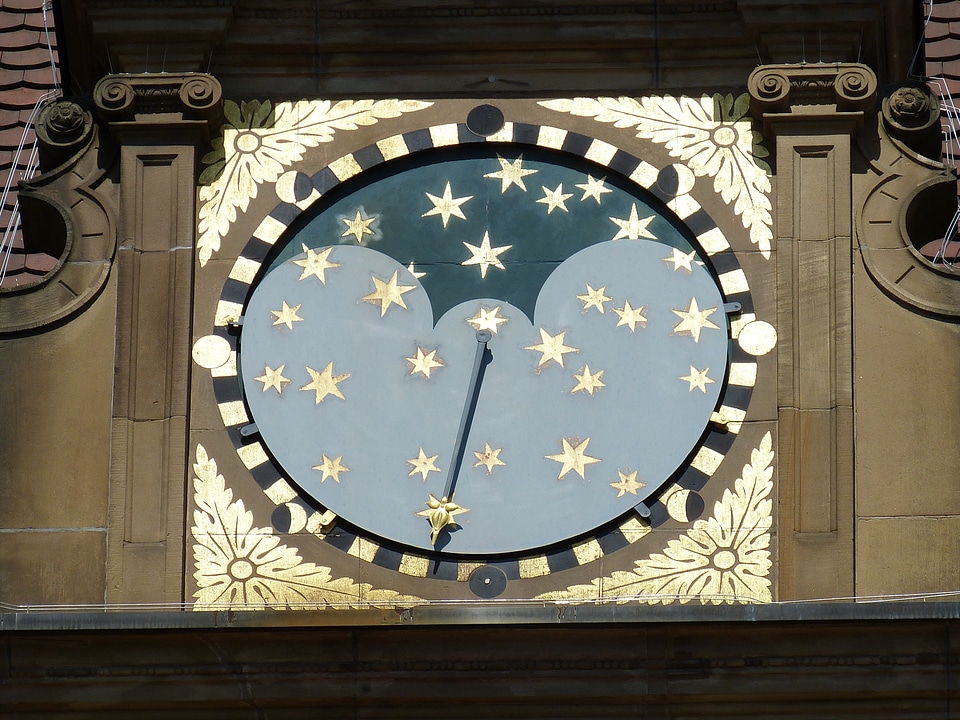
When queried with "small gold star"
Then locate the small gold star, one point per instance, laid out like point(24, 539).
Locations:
point(697, 379)
point(414, 272)
point(423, 363)
point(693, 320)
point(325, 383)
point(484, 255)
point(681, 260)
point(594, 188)
point(573, 457)
point(594, 298)
point(552, 348)
point(447, 205)
point(286, 315)
point(631, 317)
point(633, 227)
point(487, 320)
point(588, 382)
point(273, 378)
point(555, 198)
point(315, 263)
point(440, 513)
point(388, 293)
point(490, 458)
point(358, 227)
point(331, 468)
point(628, 484)
point(510, 174)
point(423, 465)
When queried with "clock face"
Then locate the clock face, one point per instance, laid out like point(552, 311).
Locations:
point(485, 352)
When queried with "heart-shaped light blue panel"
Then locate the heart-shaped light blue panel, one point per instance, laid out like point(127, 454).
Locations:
point(580, 415)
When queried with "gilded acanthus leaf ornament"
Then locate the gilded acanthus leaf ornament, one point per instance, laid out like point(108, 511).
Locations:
point(720, 560)
point(260, 141)
point(712, 135)
point(242, 567)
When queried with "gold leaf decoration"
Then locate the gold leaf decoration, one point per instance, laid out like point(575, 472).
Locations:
point(721, 560)
point(725, 149)
point(239, 566)
point(260, 141)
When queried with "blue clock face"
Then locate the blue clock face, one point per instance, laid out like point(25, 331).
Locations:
point(484, 354)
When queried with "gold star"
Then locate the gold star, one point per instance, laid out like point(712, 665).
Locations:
point(552, 348)
point(414, 272)
point(331, 468)
point(440, 513)
point(631, 317)
point(273, 378)
point(510, 174)
point(424, 363)
point(588, 382)
point(555, 198)
point(697, 379)
point(594, 298)
point(594, 188)
point(447, 205)
point(315, 263)
point(484, 255)
point(388, 293)
point(358, 227)
point(423, 465)
point(487, 320)
point(325, 383)
point(693, 320)
point(633, 227)
point(286, 315)
point(573, 457)
point(489, 458)
point(628, 484)
point(681, 260)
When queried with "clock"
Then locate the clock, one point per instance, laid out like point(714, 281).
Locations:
point(484, 352)
point(483, 357)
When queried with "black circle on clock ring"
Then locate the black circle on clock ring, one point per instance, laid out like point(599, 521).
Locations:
point(485, 120)
point(487, 582)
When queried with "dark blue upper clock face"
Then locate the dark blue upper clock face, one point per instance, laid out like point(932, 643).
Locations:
point(606, 352)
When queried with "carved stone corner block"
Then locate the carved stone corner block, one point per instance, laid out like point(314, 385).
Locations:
point(782, 94)
point(68, 217)
point(165, 97)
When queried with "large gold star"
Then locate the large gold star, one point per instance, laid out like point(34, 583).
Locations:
point(316, 264)
point(286, 315)
point(484, 255)
point(697, 379)
point(510, 174)
point(631, 317)
point(594, 298)
point(573, 457)
point(594, 188)
point(693, 320)
point(447, 205)
point(331, 468)
point(628, 484)
point(555, 198)
point(273, 378)
point(325, 383)
point(423, 363)
point(681, 260)
point(358, 227)
point(388, 293)
point(588, 382)
point(423, 465)
point(489, 458)
point(487, 320)
point(633, 227)
point(551, 348)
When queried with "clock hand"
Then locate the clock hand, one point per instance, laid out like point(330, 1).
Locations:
point(470, 403)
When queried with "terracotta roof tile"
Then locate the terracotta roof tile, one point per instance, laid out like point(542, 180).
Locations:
point(29, 6)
